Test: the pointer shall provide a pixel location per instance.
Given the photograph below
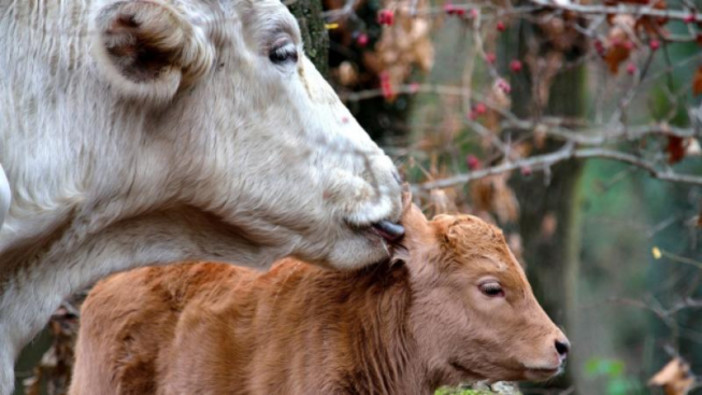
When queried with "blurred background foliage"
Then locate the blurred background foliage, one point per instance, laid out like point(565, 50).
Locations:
point(585, 229)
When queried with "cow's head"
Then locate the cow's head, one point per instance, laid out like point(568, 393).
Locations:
point(474, 313)
point(261, 139)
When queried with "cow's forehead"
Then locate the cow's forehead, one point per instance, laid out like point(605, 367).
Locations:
point(266, 18)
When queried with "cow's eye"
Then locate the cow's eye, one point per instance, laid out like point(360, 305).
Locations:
point(283, 53)
point(492, 289)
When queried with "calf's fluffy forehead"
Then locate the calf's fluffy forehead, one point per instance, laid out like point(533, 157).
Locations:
point(468, 232)
point(469, 237)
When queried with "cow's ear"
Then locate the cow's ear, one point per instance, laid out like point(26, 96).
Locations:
point(148, 50)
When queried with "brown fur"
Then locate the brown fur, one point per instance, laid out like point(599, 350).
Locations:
point(400, 327)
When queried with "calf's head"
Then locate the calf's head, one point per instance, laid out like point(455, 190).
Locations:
point(261, 140)
point(474, 314)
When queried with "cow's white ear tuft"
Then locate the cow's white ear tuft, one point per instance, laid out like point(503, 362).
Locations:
point(148, 50)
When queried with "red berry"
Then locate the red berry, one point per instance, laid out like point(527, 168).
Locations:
point(362, 40)
point(504, 85)
point(689, 18)
point(490, 57)
point(526, 171)
point(386, 17)
point(599, 47)
point(386, 86)
point(473, 162)
point(449, 9)
point(654, 44)
point(515, 65)
point(460, 11)
point(501, 26)
point(480, 108)
point(631, 69)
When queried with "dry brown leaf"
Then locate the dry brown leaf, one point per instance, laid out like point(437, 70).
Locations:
point(500, 99)
point(619, 42)
point(493, 194)
point(692, 147)
point(522, 150)
point(540, 134)
point(442, 202)
point(347, 74)
point(675, 149)
point(549, 224)
point(697, 82)
point(543, 71)
point(653, 26)
point(559, 30)
point(675, 378)
point(404, 44)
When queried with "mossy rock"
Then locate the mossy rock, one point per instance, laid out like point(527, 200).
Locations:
point(461, 391)
point(498, 388)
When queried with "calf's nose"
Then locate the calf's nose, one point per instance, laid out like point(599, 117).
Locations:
point(562, 347)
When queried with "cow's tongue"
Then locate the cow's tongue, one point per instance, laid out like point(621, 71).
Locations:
point(389, 231)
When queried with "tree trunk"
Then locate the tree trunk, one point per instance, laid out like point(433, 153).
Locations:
point(314, 33)
point(552, 198)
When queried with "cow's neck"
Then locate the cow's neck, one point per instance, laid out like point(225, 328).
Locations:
point(152, 238)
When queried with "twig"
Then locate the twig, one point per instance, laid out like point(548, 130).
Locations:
point(340, 13)
point(543, 162)
point(620, 9)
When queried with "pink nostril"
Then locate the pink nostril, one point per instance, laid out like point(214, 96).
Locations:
point(562, 347)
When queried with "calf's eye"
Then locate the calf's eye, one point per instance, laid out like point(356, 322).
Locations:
point(492, 289)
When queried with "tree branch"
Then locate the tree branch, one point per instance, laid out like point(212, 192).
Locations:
point(543, 162)
point(620, 9)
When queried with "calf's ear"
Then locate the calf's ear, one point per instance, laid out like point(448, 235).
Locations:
point(148, 50)
point(417, 229)
point(406, 198)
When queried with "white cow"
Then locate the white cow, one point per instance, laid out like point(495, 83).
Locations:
point(144, 132)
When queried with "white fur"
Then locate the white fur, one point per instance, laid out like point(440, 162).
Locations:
point(228, 157)
point(5, 195)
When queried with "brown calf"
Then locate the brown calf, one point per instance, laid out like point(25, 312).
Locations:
point(453, 306)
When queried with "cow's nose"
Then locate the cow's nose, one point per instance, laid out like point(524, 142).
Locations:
point(562, 347)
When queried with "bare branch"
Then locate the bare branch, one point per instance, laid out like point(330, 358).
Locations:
point(646, 10)
point(543, 162)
